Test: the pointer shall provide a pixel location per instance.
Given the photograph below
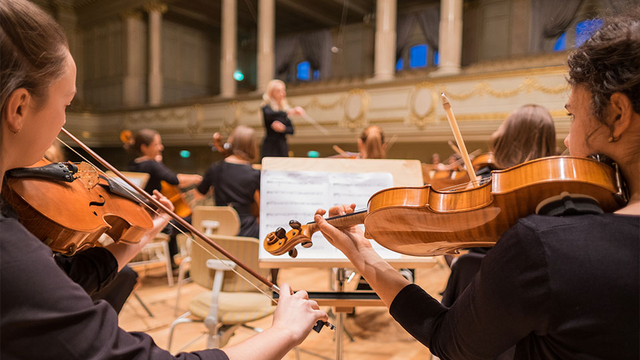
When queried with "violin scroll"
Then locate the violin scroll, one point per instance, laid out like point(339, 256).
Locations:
point(281, 241)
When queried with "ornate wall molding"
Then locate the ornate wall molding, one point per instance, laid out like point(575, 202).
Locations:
point(422, 104)
point(356, 107)
point(528, 85)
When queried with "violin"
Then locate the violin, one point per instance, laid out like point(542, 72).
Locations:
point(423, 221)
point(69, 206)
point(484, 160)
point(173, 193)
point(443, 179)
point(120, 227)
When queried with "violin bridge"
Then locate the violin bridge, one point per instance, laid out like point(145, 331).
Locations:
point(87, 175)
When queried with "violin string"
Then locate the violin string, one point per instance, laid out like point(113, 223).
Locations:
point(193, 241)
point(483, 180)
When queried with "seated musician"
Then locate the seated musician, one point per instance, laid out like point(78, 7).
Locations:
point(147, 146)
point(371, 143)
point(528, 133)
point(43, 313)
point(552, 287)
point(234, 181)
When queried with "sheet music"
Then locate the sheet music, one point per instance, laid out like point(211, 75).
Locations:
point(296, 195)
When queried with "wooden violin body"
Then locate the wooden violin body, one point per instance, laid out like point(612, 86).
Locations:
point(423, 221)
point(68, 217)
point(173, 193)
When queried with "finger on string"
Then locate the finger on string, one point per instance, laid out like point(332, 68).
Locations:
point(321, 212)
point(325, 227)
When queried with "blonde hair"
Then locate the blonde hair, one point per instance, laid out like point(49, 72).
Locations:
point(527, 134)
point(267, 98)
point(243, 143)
point(372, 140)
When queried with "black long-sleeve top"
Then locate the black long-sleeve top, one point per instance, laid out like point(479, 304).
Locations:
point(275, 143)
point(555, 287)
point(46, 315)
point(234, 185)
point(157, 171)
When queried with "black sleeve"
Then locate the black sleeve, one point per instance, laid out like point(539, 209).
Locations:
point(160, 171)
point(207, 180)
point(271, 115)
point(289, 126)
point(45, 315)
point(507, 300)
point(93, 269)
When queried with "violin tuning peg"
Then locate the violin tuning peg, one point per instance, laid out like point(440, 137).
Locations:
point(307, 244)
point(281, 233)
point(293, 253)
point(295, 224)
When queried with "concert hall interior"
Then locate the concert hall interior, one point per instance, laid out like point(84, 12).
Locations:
point(206, 100)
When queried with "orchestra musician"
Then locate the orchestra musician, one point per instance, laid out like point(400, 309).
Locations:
point(43, 313)
point(147, 146)
point(552, 287)
point(276, 112)
point(234, 181)
point(371, 143)
point(528, 133)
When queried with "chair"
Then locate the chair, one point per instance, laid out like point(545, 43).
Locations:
point(210, 220)
point(232, 302)
point(154, 252)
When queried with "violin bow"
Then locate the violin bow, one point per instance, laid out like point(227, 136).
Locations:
point(190, 227)
point(311, 121)
point(173, 215)
point(456, 133)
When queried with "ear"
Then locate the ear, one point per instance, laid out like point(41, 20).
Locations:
point(144, 148)
point(16, 110)
point(621, 112)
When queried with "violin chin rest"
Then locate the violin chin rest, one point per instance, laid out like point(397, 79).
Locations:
point(567, 204)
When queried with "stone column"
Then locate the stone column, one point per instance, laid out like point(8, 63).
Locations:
point(450, 41)
point(133, 89)
point(385, 46)
point(266, 43)
point(228, 43)
point(155, 11)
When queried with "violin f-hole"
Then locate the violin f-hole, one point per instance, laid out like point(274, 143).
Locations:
point(96, 203)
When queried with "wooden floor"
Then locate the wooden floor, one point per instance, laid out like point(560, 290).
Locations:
point(376, 335)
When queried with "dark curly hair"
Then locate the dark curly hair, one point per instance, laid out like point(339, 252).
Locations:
point(609, 62)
